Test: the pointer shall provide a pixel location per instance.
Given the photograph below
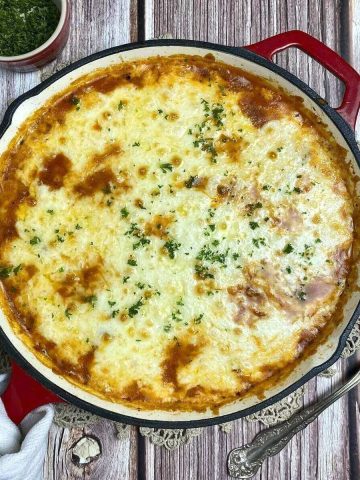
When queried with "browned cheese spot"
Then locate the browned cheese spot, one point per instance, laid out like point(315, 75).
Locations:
point(96, 182)
point(177, 356)
point(142, 171)
point(81, 283)
point(231, 146)
point(259, 109)
point(110, 151)
point(158, 226)
point(133, 392)
point(12, 194)
point(54, 171)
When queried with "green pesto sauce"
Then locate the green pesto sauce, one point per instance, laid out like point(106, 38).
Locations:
point(26, 24)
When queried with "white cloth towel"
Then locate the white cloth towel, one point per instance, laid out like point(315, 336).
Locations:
point(23, 448)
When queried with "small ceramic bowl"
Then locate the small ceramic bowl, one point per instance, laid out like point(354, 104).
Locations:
point(48, 51)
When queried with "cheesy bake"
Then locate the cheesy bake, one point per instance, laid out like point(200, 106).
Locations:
point(175, 232)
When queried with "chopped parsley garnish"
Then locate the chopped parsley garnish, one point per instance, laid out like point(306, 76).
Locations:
point(141, 243)
point(288, 248)
point(68, 313)
point(134, 309)
point(111, 304)
point(166, 167)
point(253, 225)
point(167, 328)
point(197, 319)
point(132, 262)
point(266, 187)
point(176, 316)
point(318, 240)
point(78, 227)
point(171, 246)
point(180, 302)
point(60, 238)
point(5, 271)
point(51, 212)
point(288, 269)
point(211, 212)
point(107, 189)
point(75, 100)
point(218, 114)
point(124, 212)
point(140, 285)
point(135, 231)
point(121, 105)
point(17, 269)
point(35, 241)
point(125, 279)
point(297, 190)
point(251, 207)
point(203, 272)
point(114, 313)
point(136, 144)
point(212, 256)
point(92, 299)
point(191, 181)
point(301, 295)
point(258, 241)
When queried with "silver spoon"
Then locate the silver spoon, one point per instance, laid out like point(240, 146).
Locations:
point(245, 461)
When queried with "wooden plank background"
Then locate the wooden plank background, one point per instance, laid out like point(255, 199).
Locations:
point(329, 448)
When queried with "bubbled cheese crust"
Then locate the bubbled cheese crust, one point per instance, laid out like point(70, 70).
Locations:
point(176, 232)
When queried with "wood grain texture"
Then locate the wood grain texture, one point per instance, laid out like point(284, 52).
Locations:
point(329, 448)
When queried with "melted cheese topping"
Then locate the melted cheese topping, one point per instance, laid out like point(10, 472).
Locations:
point(174, 231)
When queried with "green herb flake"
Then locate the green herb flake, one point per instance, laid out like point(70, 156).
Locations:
point(68, 314)
point(288, 248)
point(166, 167)
point(167, 328)
point(111, 304)
point(92, 299)
point(191, 181)
point(318, 240)
point(288, 269)
point(124, 212)
point(134, 309)
point(136, 144)
point(5, 272)
point(197, 320)
point(35, 240)
point(121, 105)
point(132, 262)
point(125, 279)
point(203, 272)
point(258, 242)
point(50, 212)
point(171, 246)
point(253, 225)
point(17, 269)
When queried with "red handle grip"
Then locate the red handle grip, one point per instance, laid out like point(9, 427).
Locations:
point(23, 394)
point(326, 57)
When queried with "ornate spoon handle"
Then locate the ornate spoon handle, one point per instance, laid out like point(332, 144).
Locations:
point(245, 461)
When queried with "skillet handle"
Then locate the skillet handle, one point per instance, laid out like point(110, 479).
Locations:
point(326, 57)
point(23, 394)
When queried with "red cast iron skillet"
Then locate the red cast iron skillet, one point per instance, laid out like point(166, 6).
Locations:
point(28, 388)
